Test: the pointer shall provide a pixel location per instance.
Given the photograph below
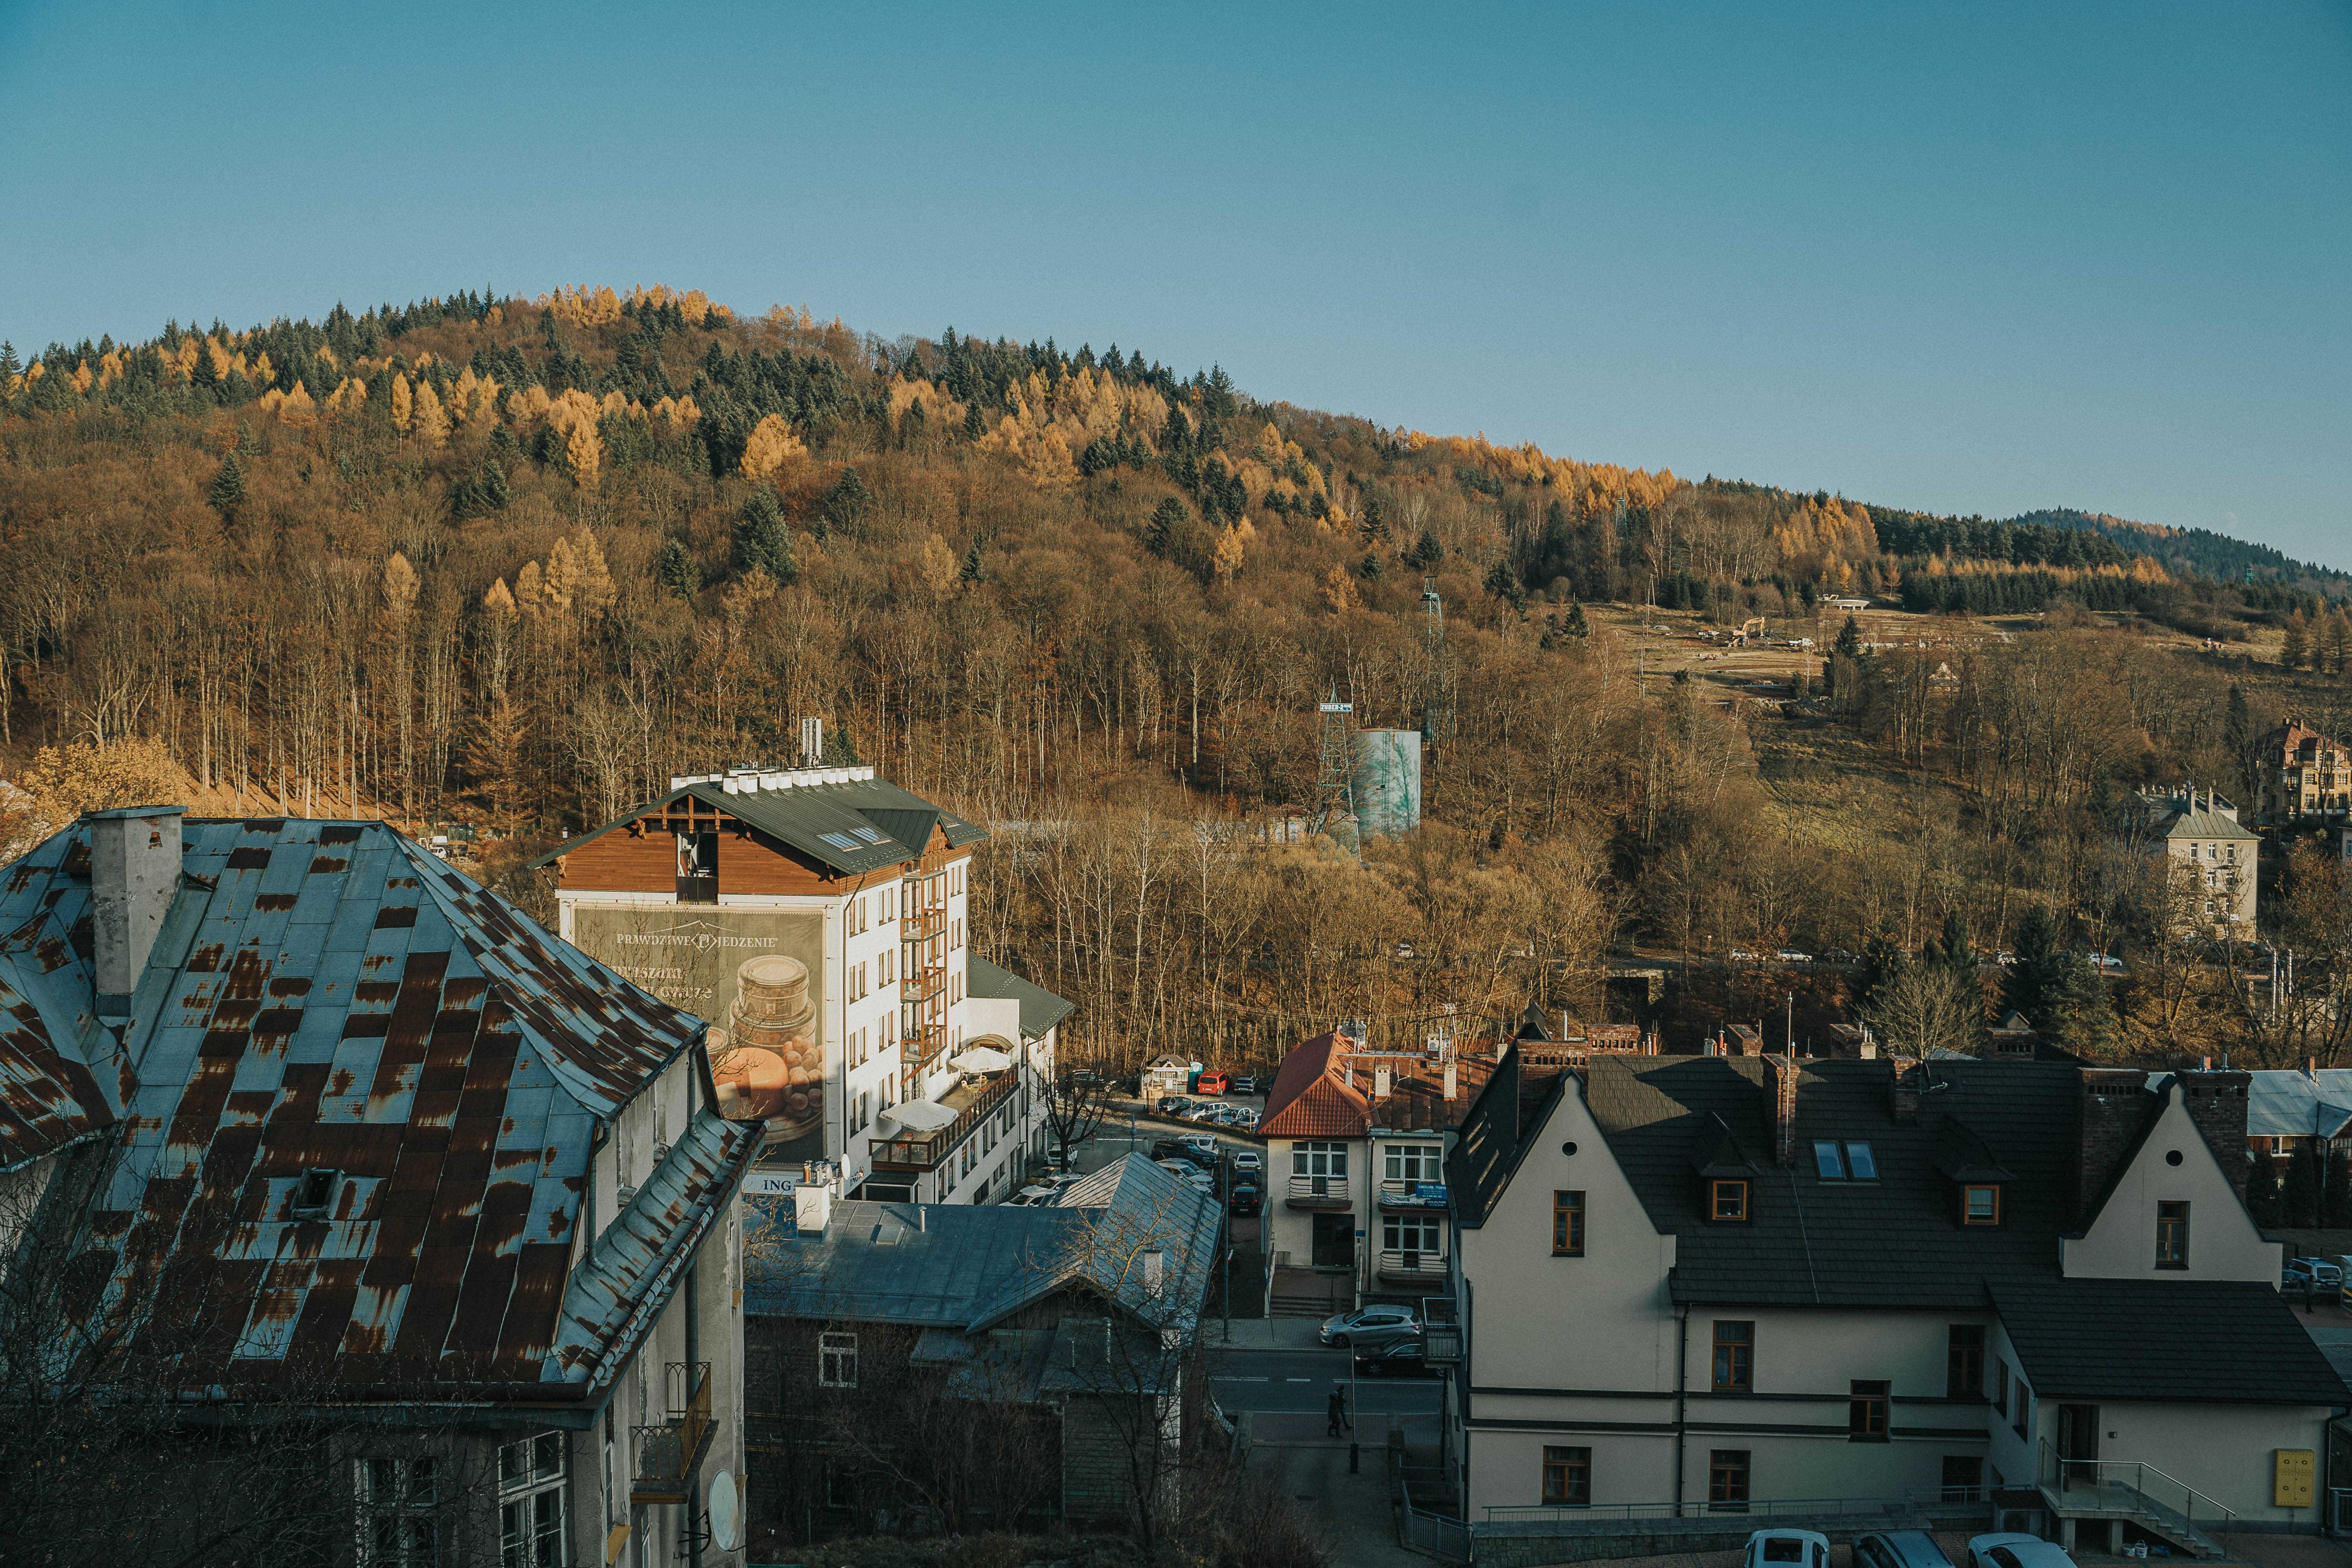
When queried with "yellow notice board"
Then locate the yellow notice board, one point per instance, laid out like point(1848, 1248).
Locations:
point(2291, 1471)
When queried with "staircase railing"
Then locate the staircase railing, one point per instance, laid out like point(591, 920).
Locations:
point(2162, 1498)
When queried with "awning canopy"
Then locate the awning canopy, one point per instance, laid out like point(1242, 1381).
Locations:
point(922, 1115)
point(981, 1058)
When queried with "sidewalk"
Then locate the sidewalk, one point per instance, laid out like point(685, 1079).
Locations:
point(1262, 1334)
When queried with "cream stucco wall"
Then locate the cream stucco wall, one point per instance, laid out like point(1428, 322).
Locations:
point(2120, 1242)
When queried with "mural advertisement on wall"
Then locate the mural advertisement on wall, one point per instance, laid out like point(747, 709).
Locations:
point(757, 977)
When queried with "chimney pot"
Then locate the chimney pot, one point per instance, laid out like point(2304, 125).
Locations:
point(1450, 1082)
point(134, 870)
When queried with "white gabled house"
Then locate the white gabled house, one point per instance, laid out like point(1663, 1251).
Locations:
point(1706, 1282)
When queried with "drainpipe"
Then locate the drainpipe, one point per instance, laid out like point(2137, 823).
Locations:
point(694, 1528)
point(1682, 1385)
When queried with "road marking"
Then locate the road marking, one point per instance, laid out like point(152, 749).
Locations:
point(1225, 1377)
point(1297, 1380)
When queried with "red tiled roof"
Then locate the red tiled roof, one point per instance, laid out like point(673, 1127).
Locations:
point(1310, 1098)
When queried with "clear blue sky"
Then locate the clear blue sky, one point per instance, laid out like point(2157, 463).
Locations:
point(1965, 258)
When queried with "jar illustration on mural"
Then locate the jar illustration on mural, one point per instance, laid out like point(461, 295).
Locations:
point(768, 1055)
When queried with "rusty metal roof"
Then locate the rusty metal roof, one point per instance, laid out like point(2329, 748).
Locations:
point(61, 1080)
point(327, 995)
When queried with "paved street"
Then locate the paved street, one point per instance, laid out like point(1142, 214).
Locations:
point(1300, 1382)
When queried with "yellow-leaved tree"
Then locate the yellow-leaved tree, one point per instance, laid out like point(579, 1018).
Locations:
point(297, 409)
point(404, 401)
point(427, 420)
point(100, 775)
point(770, 446)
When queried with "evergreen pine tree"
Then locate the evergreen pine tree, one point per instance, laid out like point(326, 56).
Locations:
point(2238, 736)
point(762, 538)
point(677, 570)
point(1954, 951)
point(975, 423)
point(1576, 624)
point(1369, 568)
point(1504, 584)
point(1849, 641)
point(1372, 522)
point(1882, 964)
point(973, 573)
point(2035, 970)
point(493, 488)
point(2299, 1204)
point(8, 362)
point(845, 505)
point(2263, 1191)
point(227, 493)
point(2081, 1018)
point(1427, 552)
point(1167, 519)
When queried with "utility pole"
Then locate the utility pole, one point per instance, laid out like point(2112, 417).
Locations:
point(1792, 1026)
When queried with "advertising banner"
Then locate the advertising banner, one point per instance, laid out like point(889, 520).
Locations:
point(757, 977)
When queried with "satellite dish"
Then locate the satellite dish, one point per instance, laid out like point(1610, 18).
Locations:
point(726, 1513)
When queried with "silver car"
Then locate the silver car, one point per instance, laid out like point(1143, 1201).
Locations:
point(1367, 1327)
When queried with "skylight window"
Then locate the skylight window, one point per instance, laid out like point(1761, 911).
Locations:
point(868, 834)
point(839, 840)
point(1859, 1163)
point(1827, 1164)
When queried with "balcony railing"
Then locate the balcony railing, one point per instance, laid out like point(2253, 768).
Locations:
point(919, 985)
point(1319, 1193)
point(1412, 1268)
point(1413, 1194)
point(915, 924)
point(2129, 1488)
point(669, 1454)
point(923, 1151)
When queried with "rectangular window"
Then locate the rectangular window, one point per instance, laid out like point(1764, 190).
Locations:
point(1866, 1411)
point(1964, 1360)
point(1727, 1481)
point(1859, 1163)
point(1411, 1161)
point(1408, 1233)
point(1827, 1162)
point(1567, 1224)
point(1567, 1476)
point(2172, 1235)
point(1735, 1357)
point(1980, 1206)
point(1728, 1200)
point(1320, 1160)
point(531, 1502)
point(836, 1360)
point(399, 1502)
point(1963, 1478)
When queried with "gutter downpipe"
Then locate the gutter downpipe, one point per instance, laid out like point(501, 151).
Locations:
point(694, 1532)
point(1682, 1384)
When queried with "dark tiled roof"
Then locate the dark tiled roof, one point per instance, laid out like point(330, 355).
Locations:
point(1040, 1008)
point(1894, 1242)
point(2235, 1343)
point(852, 826)
point(1496, 1129)
point(327, 995)
point(970, 1267)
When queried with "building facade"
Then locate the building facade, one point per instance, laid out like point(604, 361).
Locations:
point(2301, 775)
point(1356, 1146)
point(1705, 1283)
point(2215, 862)
point(327, 1130)
point(818, 919)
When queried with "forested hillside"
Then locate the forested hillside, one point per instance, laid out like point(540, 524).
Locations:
point(512, 563)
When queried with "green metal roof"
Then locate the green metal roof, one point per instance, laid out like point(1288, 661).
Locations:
point(851, 827)
point(1040, 1008)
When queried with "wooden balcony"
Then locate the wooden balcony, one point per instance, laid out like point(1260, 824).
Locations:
point(1326, 1193)
point(974, 1103)
point(918, 924)
point(670, 1453)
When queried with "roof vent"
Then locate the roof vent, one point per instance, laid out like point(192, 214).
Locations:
point(626, 1196)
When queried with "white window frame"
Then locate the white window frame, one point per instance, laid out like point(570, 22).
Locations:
point(1320, 1158)
point(1395, 1226)
point(388, 1490)
point(836, 1358)
point(533, 1473)
point(1427, 1160)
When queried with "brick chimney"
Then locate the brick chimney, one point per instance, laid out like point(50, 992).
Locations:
point(1903, 1088)
point(2216, 1101)
point(2111, 1105)
point(134, 870)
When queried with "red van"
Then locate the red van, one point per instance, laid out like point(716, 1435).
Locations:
point(1211, 1082)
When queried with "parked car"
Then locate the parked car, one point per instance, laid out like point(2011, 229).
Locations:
point(2107, 962)
point(1202, 1145)
point(2008, 1550)
point(1247, 1198)
point(1398, 1358)
point(1793, 1548)
point(1790, 956)
point(1839, 956)
point(1246, 1117)
point(2296, 1278)
point(1213, 1081)
point(1173, 1105)
point(1245, 1084)
point(1376, 1325)
point(1034, 1197)
point(2325, 1275)
point(1247, 1162)
point(1182, 1170)
point(1166, 1149)
point(1742, 955)
point(1899, 1548)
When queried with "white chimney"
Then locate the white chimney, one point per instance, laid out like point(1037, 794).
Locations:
point(1380, 1083)
point(1450, 1083)
point(812, 1207)
point(134, 870)
point(812, 742)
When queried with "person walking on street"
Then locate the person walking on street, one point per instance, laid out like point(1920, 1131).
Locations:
point(1337, 1411)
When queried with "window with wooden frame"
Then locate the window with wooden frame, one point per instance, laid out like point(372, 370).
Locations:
point(1866, 1410)
point(1567, 1477)
point(1727, 1481)
point(1734, 1356)
point(1964, 1361)
point(1567, 1224)
point(1980, 1203)
point(1726, 1200)
point(2172, 1235)
point(836, 1360)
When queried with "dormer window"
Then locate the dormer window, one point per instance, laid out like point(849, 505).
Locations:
point(316, 1193)
point(1980, 1203)
point(1728, 1200)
